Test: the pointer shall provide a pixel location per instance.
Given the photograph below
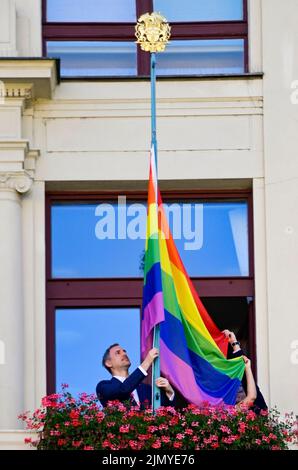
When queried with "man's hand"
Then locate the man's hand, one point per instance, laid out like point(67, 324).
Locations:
point(152, 354)
point(163, 383)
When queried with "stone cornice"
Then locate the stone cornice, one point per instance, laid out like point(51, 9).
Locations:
point(17, 165)
point(20, 181)
point(16, 92)
point(38, 75)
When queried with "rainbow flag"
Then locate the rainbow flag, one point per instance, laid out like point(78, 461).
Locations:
point(192, 349)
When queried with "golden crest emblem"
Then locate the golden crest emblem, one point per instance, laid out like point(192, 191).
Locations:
point(152, 32)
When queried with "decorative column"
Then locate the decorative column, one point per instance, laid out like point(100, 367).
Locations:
point(12, 186)
point(21, 82)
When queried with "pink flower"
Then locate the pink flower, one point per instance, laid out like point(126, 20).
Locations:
point(152, 429)
point(76, 423)
point(23, 416)
point(134, 445)
point(214, 445)
point(28, 440)
point(156, 444)
point(188, 431)
point(258, 442)
point(76, 443)
point(251, 416)
point(74, 414)
point(177, 445)
point(124, 428)
point(165, 439)
point(242, 427)
point(173, 421)
point(163, 426)
point(227, 440)
point(61, 442)
point(39, 414)
point(111, 424)
point(116, 404)
point(225, 429)
point(88, 448)
point(106, 443)
point(180, 436)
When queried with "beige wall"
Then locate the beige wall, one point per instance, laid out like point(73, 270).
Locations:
point(206, 130)
point(20, 28)
point(280, 52)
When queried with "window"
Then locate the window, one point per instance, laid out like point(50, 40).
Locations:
point(198, 57)
point(84, 11)
point(96, 38)
point(89, 59)
point(94, 281)
point(212, 238)
point(200, 10)
point(79, 341)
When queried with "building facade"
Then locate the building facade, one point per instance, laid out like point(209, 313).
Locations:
point(75, 132)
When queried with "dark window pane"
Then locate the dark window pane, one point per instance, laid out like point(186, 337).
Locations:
point(95, 240)
point(202, 57)
point(200, 10)
point(231, 313)
point(91, 10)
point(104, 58)
point(83, 335)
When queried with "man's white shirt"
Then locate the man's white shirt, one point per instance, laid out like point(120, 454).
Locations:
point(135, 393)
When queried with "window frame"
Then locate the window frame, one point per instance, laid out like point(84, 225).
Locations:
point(79, 31)
point(127, 292)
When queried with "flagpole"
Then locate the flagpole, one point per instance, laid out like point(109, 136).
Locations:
point(156, 401)
point(153, 107)
point(153, 33)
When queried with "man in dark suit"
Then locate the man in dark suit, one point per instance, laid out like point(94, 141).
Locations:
point(124, 387)
point(259, 402)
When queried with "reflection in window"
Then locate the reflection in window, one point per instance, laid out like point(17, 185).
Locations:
point(199, 57)
point(200, 10)
point(91, 10)
point(101, 58)
point(83, 335)
point(108, 240)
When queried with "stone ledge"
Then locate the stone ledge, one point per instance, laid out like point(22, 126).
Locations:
point(43, 74)
point(14, 440)
point(16, 155)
